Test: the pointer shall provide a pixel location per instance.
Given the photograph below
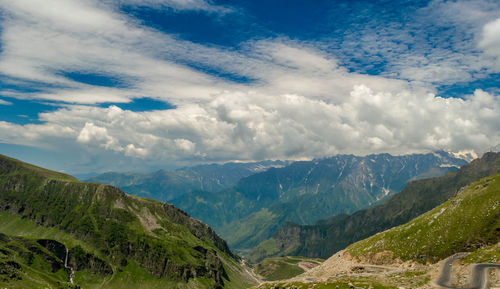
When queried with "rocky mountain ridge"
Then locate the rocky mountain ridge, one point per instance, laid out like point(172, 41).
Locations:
point(165, 185)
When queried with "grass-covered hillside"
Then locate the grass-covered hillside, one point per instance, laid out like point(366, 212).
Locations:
point(113, 240)
point(280, 268)
point(467, 222)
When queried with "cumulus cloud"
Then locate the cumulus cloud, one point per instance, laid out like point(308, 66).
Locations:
point(97, 136)
point(252, 126)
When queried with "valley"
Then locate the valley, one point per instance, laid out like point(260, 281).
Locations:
point(417, 254)
point(95, 236)
point(280, 268)
point(303, 192)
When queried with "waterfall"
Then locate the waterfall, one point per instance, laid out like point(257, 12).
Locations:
point(71, 271)
point(66, 259)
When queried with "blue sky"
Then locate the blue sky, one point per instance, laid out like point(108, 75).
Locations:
point(143, 84)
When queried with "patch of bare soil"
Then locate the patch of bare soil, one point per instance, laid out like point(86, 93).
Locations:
point(147, 220)
point(306, 266)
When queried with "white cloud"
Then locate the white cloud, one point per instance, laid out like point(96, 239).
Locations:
point(4, 102)
point(132, 151)
point(247, 126)
point(97, 136)
point(490, 41)
point(302, 104)
point(39, 42)
point(412, 51)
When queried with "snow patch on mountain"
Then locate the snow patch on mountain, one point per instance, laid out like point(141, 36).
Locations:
point(467, 155)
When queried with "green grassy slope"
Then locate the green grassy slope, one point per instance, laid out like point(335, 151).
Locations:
point(25, 263)
point(248, 231)
point(125, 239)
point(467, 222)
point(12, 167)
point(280, 268)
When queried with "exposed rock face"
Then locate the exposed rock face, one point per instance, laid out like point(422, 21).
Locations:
point(356, 181)
point(59, 249)
point(81, 260)
point(9, 270)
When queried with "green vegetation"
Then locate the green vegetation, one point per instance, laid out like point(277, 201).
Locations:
point(331, 235)
point(247, 232)
point(25, 263)
point(489, 254)
point(133, 276)
point(280, 268)
point(16, 226)
point(467, 222)
point(13, 167)
point(118, 238)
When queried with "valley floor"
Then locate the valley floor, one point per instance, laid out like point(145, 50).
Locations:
point(341, 271)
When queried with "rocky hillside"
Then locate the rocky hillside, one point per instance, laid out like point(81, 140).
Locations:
point(465, 223)
point(307, 191)
point(111, 238)
point(426, 250)
point(166, 185)
point(328, 236)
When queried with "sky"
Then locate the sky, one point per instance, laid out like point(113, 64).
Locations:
point(88, 86)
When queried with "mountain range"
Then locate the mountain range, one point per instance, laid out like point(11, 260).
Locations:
point(330, 235)
point(167, 185)
point(307, 191)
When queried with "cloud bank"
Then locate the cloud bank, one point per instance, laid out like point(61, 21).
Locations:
point(299, 100)
point(252, 125)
